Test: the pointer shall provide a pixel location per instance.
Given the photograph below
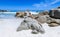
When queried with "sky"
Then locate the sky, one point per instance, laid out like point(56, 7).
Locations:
point(29, 4)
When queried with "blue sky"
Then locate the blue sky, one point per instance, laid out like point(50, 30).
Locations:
point(29, 4)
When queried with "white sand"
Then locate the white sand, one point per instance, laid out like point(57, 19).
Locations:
point(8, 29)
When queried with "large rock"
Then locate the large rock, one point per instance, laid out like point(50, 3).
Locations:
point(20, 14)
point(52, 22)
point(29, 23)
point(44, 13)
point(42, 19)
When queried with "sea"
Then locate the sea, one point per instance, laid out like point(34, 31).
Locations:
point(11, 14)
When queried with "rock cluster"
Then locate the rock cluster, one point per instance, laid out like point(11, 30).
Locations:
point(41, 18)
point(3, 10)
point(22, 14)
point(45, 18)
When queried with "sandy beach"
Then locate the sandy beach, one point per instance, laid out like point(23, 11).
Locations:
point(8, 28)
point(29, 18)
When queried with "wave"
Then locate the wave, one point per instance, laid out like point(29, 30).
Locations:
point(33, 12)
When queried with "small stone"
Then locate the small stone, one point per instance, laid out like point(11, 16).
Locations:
point(53, 24)
point(34, 32)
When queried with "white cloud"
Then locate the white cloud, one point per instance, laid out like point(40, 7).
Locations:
point(37, 5)
point(42, 4)
point(55, 1)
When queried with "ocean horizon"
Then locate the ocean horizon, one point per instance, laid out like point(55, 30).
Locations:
point(11, 14)
point(25, 10)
